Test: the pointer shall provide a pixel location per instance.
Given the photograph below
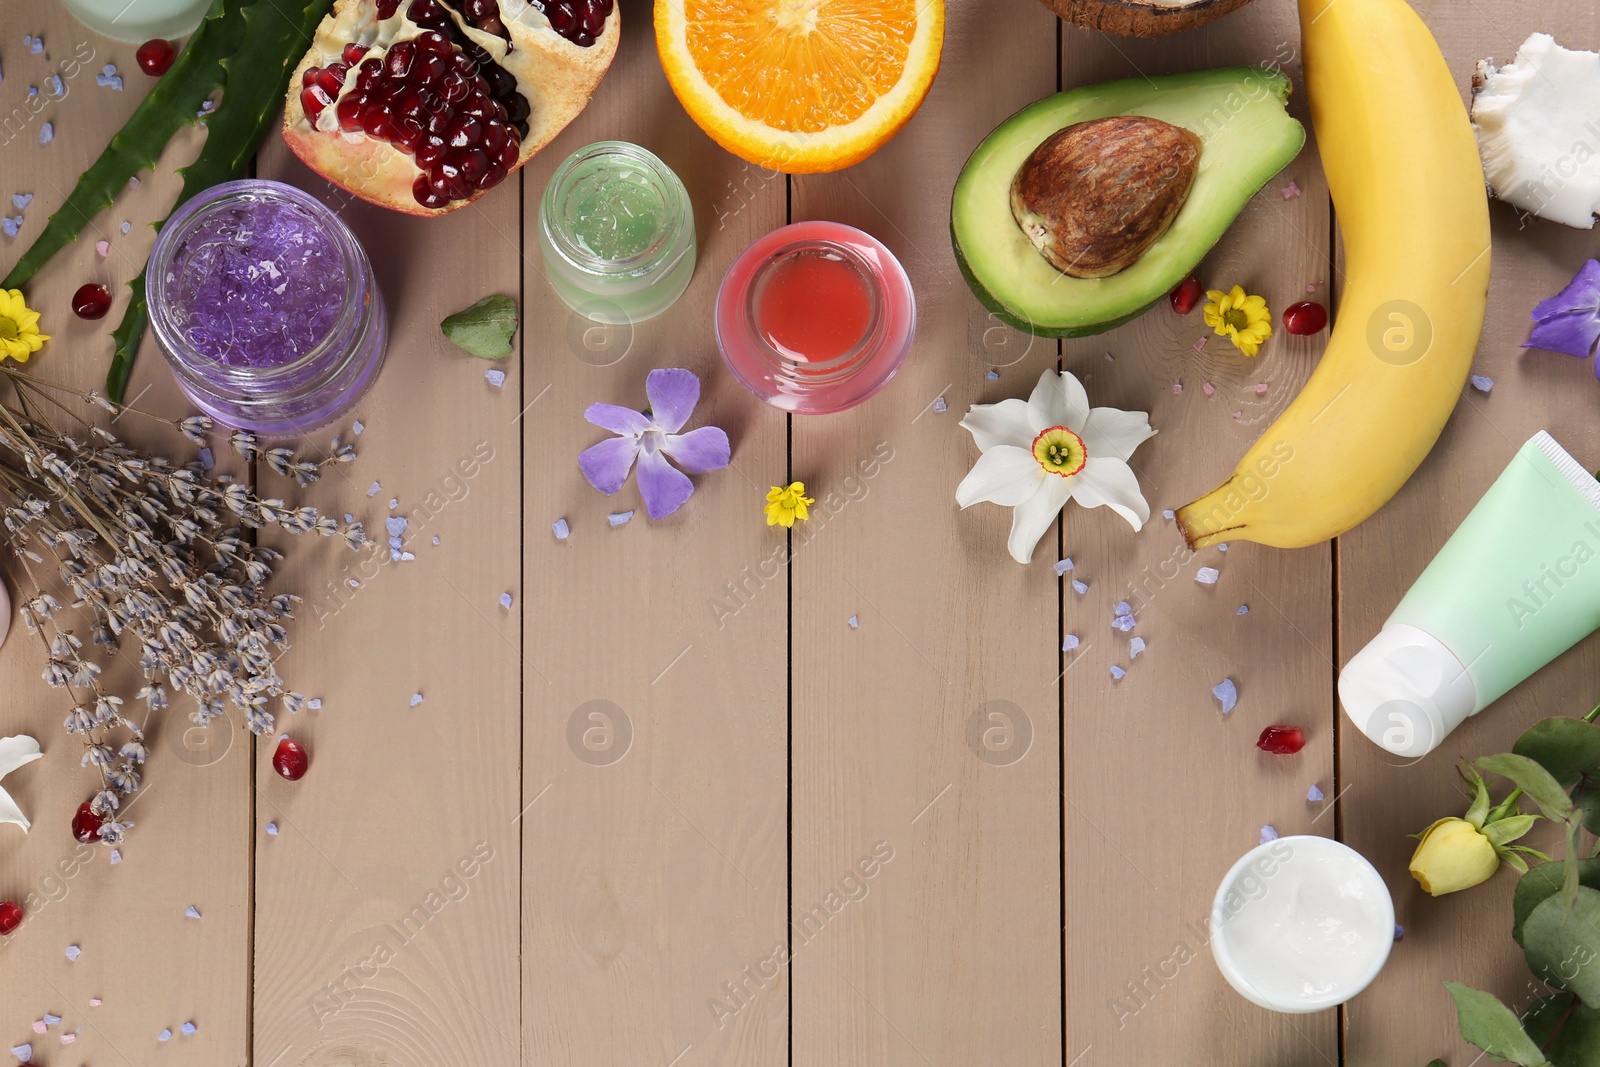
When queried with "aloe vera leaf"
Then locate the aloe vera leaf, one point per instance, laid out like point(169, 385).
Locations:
point(273, 40)
point(171, 105)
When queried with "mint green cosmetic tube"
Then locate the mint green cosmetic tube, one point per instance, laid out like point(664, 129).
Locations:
point(1516, 585)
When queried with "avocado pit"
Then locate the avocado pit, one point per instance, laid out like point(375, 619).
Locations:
point(1094, 196)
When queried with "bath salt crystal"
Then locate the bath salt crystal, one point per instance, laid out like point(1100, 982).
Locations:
point(1079, 587)
point(1117, 673)
point(95, 1002)
point(993, 376)
point(1135, 647)
point(57, 86)
point(1123, 608)
point(359, 427)
point(1207, 388)
point(505, 601)
point(51, 1020)
point(1244, 609)
point(192, 912)
point(394, 502)
point(375, 489)
point(188, 1029)
point(1110, 358)
point(619, 518)
point(1169, 515)
point(73, 952)
point(207, 460)
point(103, 248)
point(1399, 932)
point(855, 622)
point(1227, 694)
point(1237, 415)
point(1123, 623)
point(1177, 388)
point(20, 201)
point(11, 224)
point(416, 698)
point(559, 528)
point(1482, 383)
point(1063, 566)
point(396, 524)
point(1200, 345)
point(164, 1035)
point(1261, 389)
point(38, 1026)
point(1314, 794)
point(35, 45)
point(1268, 833)
point(126, 226)
point(1207, 575)
point(33, 90)
point(116, 856)
point(22, 1052)
point(436, 540)
point(496, 378)
point(272, 829)
point(315, 703)
point(1291, 191)
point(939, 406)
point(1070, 642)
point(67, 1039)
point(1223, 547)
point(109, 78)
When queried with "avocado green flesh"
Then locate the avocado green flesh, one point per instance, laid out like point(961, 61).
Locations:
point(1238, 112)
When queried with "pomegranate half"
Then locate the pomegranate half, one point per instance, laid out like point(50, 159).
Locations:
point(425, 105)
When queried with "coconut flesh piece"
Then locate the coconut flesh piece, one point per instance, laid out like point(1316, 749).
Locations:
point(1538, 126)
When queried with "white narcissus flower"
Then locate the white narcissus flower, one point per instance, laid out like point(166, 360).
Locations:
point(15, 752)
point(1051, 448)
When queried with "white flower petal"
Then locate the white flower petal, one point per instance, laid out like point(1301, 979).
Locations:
point(1107, 482)
point(1005, 475)
point(15, 752)
point(1114, 432)
point(1034, 516)
point(1058, 400)
point(1005, 423)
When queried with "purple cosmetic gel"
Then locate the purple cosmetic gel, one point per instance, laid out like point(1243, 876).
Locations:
point(266, 308)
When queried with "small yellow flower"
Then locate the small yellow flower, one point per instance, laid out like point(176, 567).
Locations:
point(786, 503)
point(1454, 855)
point(1244, 320)
point(19, 327)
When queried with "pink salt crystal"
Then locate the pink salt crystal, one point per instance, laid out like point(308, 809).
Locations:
point(1261, 389)
point(95, 1002)
point(103, 247)
point(38, 1026)
point(67, 1039)
point(1291, 191)
point(1201, 344)
point(1238, 414)
point(1207, 388)
point(1177, 387)
point(1110, 358)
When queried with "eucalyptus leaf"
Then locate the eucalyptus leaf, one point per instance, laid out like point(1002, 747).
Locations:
point(1494, 1027)
point(1533, 780)
point(1589, 805)
point(1542, 882)
point(1568, 1031)
point(1437, 1063)
point(1563, 946)
point(1567, 748)
point(485, 328)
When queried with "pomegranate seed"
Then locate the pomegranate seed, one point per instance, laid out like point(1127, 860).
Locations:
point(605, 7)
point(349, 112)
point(583, 40)
point(474, 167)
point(465, 132)
point(563, 20)
point(387, 8)
point(86, 824)
point(496, 175)
point(409, 134)
point(1282, 740)
point(1305, 318)
point(509, 154)
point(332, 78)
point(431, 68)
point(430, 150)
point(435, 44)
point(589, 16)
point(397, 64)
point(455, 87)
point(91, 301)
point(425, 195)
point(1186, 295)
point(291, 759)
point(10, 917)
point(313, 99)
point(155, 57)
point(353, 53)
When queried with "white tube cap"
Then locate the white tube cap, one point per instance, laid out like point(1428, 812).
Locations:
point(1406, 690)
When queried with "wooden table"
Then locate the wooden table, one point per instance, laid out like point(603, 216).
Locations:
point(669, 764)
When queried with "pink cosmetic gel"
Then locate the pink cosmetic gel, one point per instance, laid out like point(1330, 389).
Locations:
point(815, 317)
point(266, 308)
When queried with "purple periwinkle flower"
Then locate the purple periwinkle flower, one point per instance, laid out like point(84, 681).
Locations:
point(1569, 322)
point(652, 438)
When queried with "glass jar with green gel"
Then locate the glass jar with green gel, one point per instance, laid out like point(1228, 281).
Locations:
point(616, 231)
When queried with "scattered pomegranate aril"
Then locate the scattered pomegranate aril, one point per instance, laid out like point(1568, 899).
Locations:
point(353, 53)
point(86, 824)
point(155, 56)
point(91, 301)
point(1305, 318)
point(1282, 740)
point(387, 8)
point(291, 759)
point(314, 99)
point(10, 917)
point(1187, 295)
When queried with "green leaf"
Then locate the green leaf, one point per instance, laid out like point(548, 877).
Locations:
point(485, 328)
point(1567, 748)
point(1437, 1063)
point(174, 102)
point(1533, 780)
point(1509, 829)
point(272, 42)
point(1479, 809)
point(1563, 945)
point(1542, 882)
point(1567, 1030)
point(1589, 805)
point(1494, 1027)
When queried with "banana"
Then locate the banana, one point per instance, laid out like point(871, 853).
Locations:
point(1408, 191)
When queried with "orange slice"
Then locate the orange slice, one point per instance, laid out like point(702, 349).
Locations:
point(800, 86)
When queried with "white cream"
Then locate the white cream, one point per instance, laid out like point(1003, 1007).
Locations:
point(1301, 924)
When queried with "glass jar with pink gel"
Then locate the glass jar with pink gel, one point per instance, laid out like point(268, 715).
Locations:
point(266, 308)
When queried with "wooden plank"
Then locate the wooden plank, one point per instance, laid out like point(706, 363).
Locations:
point(655, 870)
point(1163, 794)
point(950, 952)
point(386, 904)
point(1407, 1016)
point(193, 814)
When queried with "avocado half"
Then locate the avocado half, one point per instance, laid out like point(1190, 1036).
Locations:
point(1240, 116)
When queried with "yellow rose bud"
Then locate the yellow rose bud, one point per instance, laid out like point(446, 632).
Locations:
point(1452, 856)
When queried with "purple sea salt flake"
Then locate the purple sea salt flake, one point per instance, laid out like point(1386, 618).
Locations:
point(1291, 190)
point(1124, 623)
point(939, 406)
point(375, 489)
point(436, 539)
point(1268, 833)
point(20, 201)
point(164, 1035)
point(1079, 587)
point(1123, 608)
point(1070, 642)
point(1135, 647)
point(22, 1052)
point(559, 528)
point(496, 378)
point(73, 952)
point(1206, 387)
point(1244, 609)
point(1223, 547)
point(1482, 382)
point(1169, 514)
point(855, 622)
point(505, 601)
point(103, 248)
point(192, 912)
point(394, 502)
point(11, 225)
point(416, 698)
point(359, 427)
point(619, 518)
point(315, 703)
point(109, 78)
point(33, 90)
point(396, 525)
point(51, 1020)
point(993, 376)
point(1207, 575)
point(1262, 387)
point(1227, 694)
point(126, 226)
point(116, 856)
point(35, 45)
point(1399, 932)
point(1177, 388)
point(58, 88)
point(1117, 673)
point(1314, 794)
point(272, 829)
point(188, 1029)
point(1063, 566)
point(1200, 346)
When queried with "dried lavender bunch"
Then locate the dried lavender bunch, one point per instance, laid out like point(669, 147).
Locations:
point(158, 561)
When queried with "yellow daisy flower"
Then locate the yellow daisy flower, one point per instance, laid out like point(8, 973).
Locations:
point(19, 327)
point(1242, 319)
point(786, 503)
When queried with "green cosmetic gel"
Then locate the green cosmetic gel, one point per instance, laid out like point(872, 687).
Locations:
point(1516, 585)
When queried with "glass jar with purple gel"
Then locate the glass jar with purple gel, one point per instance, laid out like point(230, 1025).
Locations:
point(266, 308)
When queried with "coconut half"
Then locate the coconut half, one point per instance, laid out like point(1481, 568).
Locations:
point(1142, 18)
point(1538, 126)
